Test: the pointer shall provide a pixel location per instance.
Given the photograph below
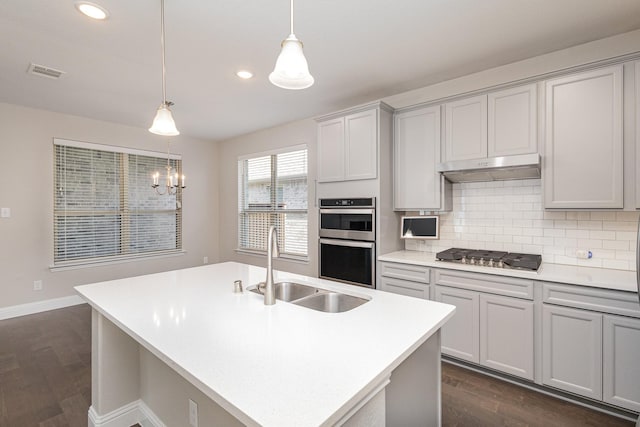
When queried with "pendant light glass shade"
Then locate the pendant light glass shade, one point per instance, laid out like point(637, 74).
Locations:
point(291, 70)
point(163, 123)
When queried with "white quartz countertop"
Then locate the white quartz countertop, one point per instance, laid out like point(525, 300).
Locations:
point(279, 365)
point(585, 276)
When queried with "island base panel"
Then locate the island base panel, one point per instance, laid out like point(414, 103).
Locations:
point(413, 396)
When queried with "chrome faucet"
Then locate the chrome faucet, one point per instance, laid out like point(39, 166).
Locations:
point(273, 251)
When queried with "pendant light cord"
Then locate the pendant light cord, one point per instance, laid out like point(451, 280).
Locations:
point(164, 85)
point(291, 17)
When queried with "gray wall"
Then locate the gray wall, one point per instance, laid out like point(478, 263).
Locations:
point(26, 238)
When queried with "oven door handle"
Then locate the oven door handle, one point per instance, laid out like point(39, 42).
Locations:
point(349, 243)
point(339, 211)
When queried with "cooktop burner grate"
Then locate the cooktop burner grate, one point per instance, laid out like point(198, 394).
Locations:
point(487, 258)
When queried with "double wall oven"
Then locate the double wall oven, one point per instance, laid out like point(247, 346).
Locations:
point(347, 247)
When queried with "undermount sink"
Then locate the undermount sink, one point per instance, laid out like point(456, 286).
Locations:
point(290, 291)
point(313, 298)
point(331, 302)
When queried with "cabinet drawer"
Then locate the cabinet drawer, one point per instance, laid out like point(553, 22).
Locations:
point(509, 286)
point(404, 287)
point(602, 300)
point(414, 273)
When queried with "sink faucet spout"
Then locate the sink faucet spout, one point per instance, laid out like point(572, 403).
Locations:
point(272, 252)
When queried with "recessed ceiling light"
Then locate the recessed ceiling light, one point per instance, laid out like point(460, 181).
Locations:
point(244, 74)
point(92, 10)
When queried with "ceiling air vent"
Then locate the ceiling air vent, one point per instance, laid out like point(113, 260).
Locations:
point(41, 70)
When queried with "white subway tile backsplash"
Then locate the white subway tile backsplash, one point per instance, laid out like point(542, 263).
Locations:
point(620, 245)
point(603, 235)
point(579, 234)
point(590, 225)
point(566, 224)
point(619, 225)
point(508, 215)
point(554, 232)
point(554, 215)
point(607, 216)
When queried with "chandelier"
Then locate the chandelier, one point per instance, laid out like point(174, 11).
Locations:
point(173, 181)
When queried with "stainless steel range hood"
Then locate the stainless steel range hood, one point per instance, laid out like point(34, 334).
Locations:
point(524, 166)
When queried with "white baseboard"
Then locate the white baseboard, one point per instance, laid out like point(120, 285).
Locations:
point(133, 413)
point(39, 306)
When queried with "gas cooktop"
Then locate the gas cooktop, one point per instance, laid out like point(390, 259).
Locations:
point(486, 258)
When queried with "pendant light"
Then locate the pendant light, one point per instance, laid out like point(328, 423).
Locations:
point(163, 123)
point(291, 70)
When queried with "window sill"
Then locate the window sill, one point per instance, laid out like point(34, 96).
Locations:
point(105, 262)
point(284, 257)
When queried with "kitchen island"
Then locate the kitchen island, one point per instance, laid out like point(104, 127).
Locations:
point(162, 340)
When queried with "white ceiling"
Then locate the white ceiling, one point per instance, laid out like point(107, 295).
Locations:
point(358, 51)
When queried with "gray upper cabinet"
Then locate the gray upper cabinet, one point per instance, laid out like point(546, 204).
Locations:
point(466, 129)
point(512, 121)
point(331, 150)
point(416, 152)
point(583, 160)
point(348, 147)
point(501, 123)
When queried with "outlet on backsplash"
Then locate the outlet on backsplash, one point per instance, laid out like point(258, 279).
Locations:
point(584, 254)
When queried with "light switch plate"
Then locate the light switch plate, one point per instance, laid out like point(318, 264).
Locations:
point(5, 212)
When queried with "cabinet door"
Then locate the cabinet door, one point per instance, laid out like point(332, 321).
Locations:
point(460, 336)
point(512, 121)
point(583, 145)
point(506, 335)
point(416, 148)
point(404, 287)
point(621, 362)
point(572, 350)
point(361, 145)
point(331, 150)
point(466, 129)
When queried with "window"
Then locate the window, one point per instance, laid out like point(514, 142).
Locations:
point(105, 208)
point(272, 190)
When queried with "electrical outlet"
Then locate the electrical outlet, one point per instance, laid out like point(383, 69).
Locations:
point(5, 212)
point(584, 254)
point(193, 413)
point(205, 260)
point(37, 285)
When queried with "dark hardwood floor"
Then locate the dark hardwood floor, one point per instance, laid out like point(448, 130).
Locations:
point(45, 381)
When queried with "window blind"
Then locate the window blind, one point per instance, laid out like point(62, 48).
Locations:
point(105, 208)
point(273, 191)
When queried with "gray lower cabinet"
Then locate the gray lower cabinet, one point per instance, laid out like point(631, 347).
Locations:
point(460, 336)
point(493, 325)
point(506, 335)
point(404, 279)
point(572, 350)
point(591, 343)
point(621, 361)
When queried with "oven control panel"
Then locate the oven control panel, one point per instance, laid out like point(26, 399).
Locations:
point(367, 202)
